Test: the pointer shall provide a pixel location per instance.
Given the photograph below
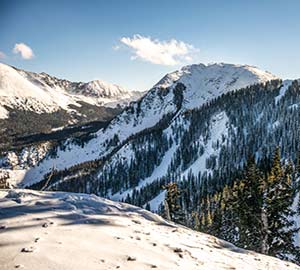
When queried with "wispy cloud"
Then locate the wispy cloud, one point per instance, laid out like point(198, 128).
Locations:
point(24, 50)
point(116, 47)
point(168, 53)
point(2, 55)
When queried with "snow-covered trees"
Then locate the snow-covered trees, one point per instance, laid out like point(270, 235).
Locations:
point(255, 211)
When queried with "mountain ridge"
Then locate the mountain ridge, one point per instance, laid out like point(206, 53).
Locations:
point(27, 98)
point(160, 101)
point(57, 93)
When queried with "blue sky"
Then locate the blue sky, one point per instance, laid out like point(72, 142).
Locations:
point(117, 41)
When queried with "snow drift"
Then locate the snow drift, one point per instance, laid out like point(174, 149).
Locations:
point(56, 230)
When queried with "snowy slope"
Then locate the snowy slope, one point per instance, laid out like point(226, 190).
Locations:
point(205, 82)
point(202, 84)
point(44, 230)
point(44, 93)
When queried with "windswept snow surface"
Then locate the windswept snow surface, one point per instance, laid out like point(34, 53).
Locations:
point(53, 230)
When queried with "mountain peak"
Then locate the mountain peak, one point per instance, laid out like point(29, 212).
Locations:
point(207, 81)
point(104, 89)
point(42, 92)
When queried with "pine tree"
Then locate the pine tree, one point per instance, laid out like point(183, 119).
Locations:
point(249, 205)
point(196, 221)
point(148, 207)
point(206, 216)
point(217, 217)
point(298, 164)
point(172, 202)
point(229, 225)
point(279, 199)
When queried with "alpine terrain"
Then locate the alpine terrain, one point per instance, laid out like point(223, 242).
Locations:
point(212, 147)
point(41, 230)
point(38, 107)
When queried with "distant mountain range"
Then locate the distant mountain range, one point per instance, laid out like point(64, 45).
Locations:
point(33, 103)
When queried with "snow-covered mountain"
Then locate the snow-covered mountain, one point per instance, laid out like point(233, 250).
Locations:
point(205, 82)
point(196, 127)
point(40, 92)
point(55, 230)
point(182, 90)
point(61, 108)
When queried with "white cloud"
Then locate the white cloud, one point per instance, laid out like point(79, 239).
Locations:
point(2, 55)
point(25, 51)
point(168, 53)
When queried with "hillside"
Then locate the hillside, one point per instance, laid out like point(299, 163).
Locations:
point(198, 129)
point(55, 230)
point(40, 92)
point(28, 98)
point(178, 92)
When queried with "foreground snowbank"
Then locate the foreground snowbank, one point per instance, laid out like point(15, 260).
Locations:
point(55, 230)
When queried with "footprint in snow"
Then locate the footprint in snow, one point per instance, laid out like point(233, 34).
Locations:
point(179, 251)
point(131, 258)
point(45, 225)
point(136, 221)
point(28, 249)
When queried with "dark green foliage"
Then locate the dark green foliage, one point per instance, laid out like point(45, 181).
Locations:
point(278, 200)
point(178, 95)
point(172, 203)
point(254, 212)
point(28, 127)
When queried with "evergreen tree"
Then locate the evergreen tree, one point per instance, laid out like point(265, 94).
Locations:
point(148, 207)
point(172, 202)
point(249, 206)
point(279, 199)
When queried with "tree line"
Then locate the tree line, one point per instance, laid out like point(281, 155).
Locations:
point(256, 211)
